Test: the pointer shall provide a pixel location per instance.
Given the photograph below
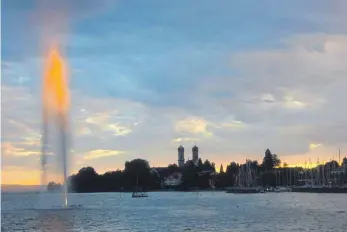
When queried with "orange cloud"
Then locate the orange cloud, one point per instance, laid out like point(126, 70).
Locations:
point(9, 149)
point(193, 125)
point(100, 153)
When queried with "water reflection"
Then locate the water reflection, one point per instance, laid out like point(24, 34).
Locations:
point(55, 220)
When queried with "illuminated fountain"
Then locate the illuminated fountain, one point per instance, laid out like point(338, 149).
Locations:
point(55, 108)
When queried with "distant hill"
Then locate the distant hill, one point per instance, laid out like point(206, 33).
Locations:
point(20, 188)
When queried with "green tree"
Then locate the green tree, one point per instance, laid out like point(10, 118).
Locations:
point(344, 164)
point(344, 161)
point(232, 168)
point(86, 180)
point(276, 160)
point(52, 186)
point(213, 166)
point(200, 164)
point(221, 169)
point(270, 160)
point(173, 168)
point(332, 164)
point(112, 181)
point(87, 172)
point(190, 175)
point(231, 172)
point(254, 164)
point(137, 170)
point(208, 166)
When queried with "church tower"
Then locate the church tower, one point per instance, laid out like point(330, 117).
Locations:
point(195, 151)
point(181, 156)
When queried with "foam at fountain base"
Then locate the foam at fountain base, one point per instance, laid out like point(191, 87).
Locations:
point(60, 207)
point(63, 207)
point(74, 206)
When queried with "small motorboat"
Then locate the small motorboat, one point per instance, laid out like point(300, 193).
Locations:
point(139, 194)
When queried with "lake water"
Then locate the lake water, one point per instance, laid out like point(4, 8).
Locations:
point(175, 211)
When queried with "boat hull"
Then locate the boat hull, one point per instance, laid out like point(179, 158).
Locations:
point(245, 191)
point(139, 195)
point(319, 190)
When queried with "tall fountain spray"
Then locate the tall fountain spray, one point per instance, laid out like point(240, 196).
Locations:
point(55, 105)
point(64, 156)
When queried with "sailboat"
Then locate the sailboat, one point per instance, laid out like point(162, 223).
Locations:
point(137, 193)
point(245, 182)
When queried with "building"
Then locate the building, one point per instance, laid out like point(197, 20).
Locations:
point(174, 180)
point(195, 151)
point(180, 156)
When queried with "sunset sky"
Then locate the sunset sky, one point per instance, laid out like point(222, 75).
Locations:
point(232, 77)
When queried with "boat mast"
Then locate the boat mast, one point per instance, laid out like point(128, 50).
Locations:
point(317, 175)
point(305, 173)
point(137, 184)
point(340, 164)
point(329, 173)
point(323, 174)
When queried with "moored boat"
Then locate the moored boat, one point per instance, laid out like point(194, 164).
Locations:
point(138, 193)
point(245, 181)
point(282, 189)
point(246, 190)
point(320, 189)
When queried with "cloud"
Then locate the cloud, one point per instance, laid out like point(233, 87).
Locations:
point(9, 149)
point(304, 79)
point(193, 125)
point(100, 153)
point(268, 98)
point(118, 129)
point(104, 122)
point(287, 95)
point(98, 118)
point(21, 126)
point(108, 121)
point(233, 124)
point(180, 140)
point(84, 131)
point(315, 145)
point(290, 103)
point(276, 89)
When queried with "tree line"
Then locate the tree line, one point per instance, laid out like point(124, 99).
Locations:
point(198, 175)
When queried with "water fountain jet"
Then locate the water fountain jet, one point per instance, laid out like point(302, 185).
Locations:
point(55, 106)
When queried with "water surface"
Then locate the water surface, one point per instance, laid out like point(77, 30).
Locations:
point(175, 211)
